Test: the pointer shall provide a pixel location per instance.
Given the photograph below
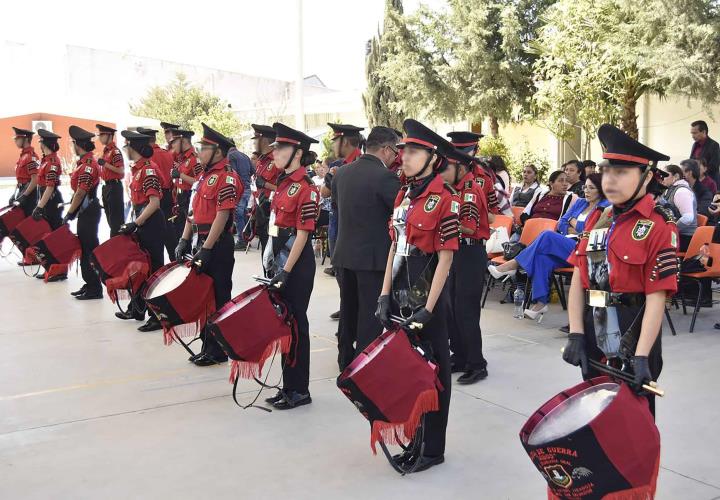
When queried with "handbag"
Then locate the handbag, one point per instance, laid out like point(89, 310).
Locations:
point(511, 250)
point(498, 237)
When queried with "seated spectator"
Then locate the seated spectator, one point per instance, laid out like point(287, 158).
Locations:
point(549, 251)
point(321, 168)
point(550, 202)
point(703, 196)
point(521, 195)
point(575, 175)
point(501, 172)
point(590, 167)
point(680, 198)
point(707, 181)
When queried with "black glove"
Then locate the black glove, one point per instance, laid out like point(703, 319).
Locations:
point(19, 200)
point(101, 162)
point(279, 281)
point(128, 228)
point(202, 259)
point(175, 173)
point(182, 249)
point(423, 316)
point(38, 213)
point(68, 217)
point(382, 313)
point(641, 370)
point(574, 352)
point(259, 182)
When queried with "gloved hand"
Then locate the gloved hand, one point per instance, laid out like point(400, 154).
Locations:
point(68, 217)
point(128, 228)
point(37, 213)
point(11, 200)
point(382, 313)
point(101, 162)
point(279, 281)
point(182, 249)
point(19, 200)
point(423, 316)
point(259, 182)
point(175, 173)
point(202, 259)
point(641, 370)
point(574, 352)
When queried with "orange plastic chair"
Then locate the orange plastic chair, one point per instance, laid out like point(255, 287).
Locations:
point(531, 230)
point(702, 220)
point(703, 236)
point(501, 221)
point(516, 211)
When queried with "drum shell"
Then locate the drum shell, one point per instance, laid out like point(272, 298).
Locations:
point(28, 232)
point(190, 302)
point(10, 217)
point(58, 247)
point(121, 264)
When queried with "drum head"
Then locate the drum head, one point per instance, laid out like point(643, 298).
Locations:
point(572, 414)
point(168, 282)
point(364, 359)
point(237, 306)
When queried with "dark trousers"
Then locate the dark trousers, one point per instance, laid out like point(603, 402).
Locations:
point(465, 286)
point(53, 210)
point(112, 200)
point(170, 239)
point(358, 326)
point(220, 270)
point(29, 203)
point(262, 219)
point(150, 237)
point(183, 204)
point(297, 296)
point(87, 232)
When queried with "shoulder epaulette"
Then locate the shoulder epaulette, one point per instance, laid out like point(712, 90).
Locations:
point(469, 184)
point(666, 213)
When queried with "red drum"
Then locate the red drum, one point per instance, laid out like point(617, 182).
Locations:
point(181, 298)
point(28, 232)
point(122, 265)
point(595, 440)
point(393, 386)
point(56, 251)
point(10, 217)
point(251, 328)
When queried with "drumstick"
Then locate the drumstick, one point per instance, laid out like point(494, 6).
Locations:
point(400, 320)
point(260, 279)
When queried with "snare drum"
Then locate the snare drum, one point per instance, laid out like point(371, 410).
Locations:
point(28, 232)
point(595, 440)
point(181, 298)
point(56, 251)
point(10, 217)
point(122, 265)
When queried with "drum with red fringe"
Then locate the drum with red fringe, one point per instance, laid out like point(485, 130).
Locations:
point(10, 217)
point(56, 251)
point(28, 232)
point(252, 327)
point(393, 386)
point(122, 265)
point(596, 440)
point(181, 298)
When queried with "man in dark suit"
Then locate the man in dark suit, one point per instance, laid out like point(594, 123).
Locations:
point(364, 192)
point(705, 147)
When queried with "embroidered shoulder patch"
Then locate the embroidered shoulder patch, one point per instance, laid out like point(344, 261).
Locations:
point(149, 171)
point(53, 168)
point(212, 180)
point(88, 170)
point(293, 189)
point(468, 184)
point(673, 239)
point(431, 203)
point(469, 197)
point(480, 181)
point(642, 229)
point(313, 196)
point(230, 180)
point(455, 207)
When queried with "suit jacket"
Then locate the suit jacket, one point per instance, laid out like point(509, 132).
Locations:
point(364, 192)
point(711, 154)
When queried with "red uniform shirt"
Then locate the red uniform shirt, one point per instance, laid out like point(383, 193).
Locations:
point(26, 166)
point(112, 155)
point(187, 163)
point(432, 217)
point(164, 163)
point(265, 168)
point(295, 203)
point(145, 182)
point(218, 189)
point(642, 250)
point(50, 170)
point(486, 180)
point(352, 156)
point(473, 208)
point(86, 175)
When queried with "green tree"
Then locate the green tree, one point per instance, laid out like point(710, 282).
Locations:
point(378, 94)
point(188, 105)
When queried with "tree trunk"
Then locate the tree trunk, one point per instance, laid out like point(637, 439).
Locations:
point(628, 116)
point(494, 126)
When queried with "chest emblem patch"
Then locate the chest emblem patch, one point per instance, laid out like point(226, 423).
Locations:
point(293, 189)
point(431, 203)
point(469, 197)
point(212, 180)
point(642, 229)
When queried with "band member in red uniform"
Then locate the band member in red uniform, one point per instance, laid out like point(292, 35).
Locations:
point(625, 267)
point(184, 172)
point(163, 161)
point(149, 221)
point(467, 275)
point(467, 142)
point(266, 178)
point(212, 220)
point(86, 207)
point(425, 237)
point(289, 257)
point(168, 131)
point(26, 169)
point(112, 171)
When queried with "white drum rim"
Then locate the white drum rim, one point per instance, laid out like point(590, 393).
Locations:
point(151, 289)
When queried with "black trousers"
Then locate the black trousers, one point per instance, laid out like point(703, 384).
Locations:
point(358, 326)
point(465, 284)
point(297, 296)
point(220, 270)
point(151, 240)
point(178, 224)
point(53, 210)
point(87, 232)
point(262, 219)
point(114, 204)
point(170, 238)
point(29, 204)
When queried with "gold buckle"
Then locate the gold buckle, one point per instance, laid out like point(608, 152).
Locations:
point(598, 298)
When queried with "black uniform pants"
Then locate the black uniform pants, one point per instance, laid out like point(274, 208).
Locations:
point(29, 203)
point(150, 239)
point(359, 291)
point(220, 270)
point(262, 219)
point(114, 204)
point(465, 284)
point(53, 210)
point(170, 239)
point(178, 224)
point(296, 294)
point(87, 232)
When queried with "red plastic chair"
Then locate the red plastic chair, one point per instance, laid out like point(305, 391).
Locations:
point(703, 236)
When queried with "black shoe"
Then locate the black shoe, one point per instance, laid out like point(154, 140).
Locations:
point(717, 326)
point(419, 464)
point(207, 360)
point(335, 315)
point(54, 278)
point(195, 357)
point(89, 296)
point(404, 457)
point(565, 329)
point(79, 292)
point(472, 376)
point(40, 276)
point(240, 246)
point(274, 399)
point(150, 325)
point(124, 315)
point(292, 399)
point(329, 271)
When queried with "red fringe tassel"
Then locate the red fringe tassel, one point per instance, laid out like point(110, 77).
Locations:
point(250, 369)
point(397, 432)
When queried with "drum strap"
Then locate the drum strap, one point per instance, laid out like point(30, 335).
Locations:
point(263, 385)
